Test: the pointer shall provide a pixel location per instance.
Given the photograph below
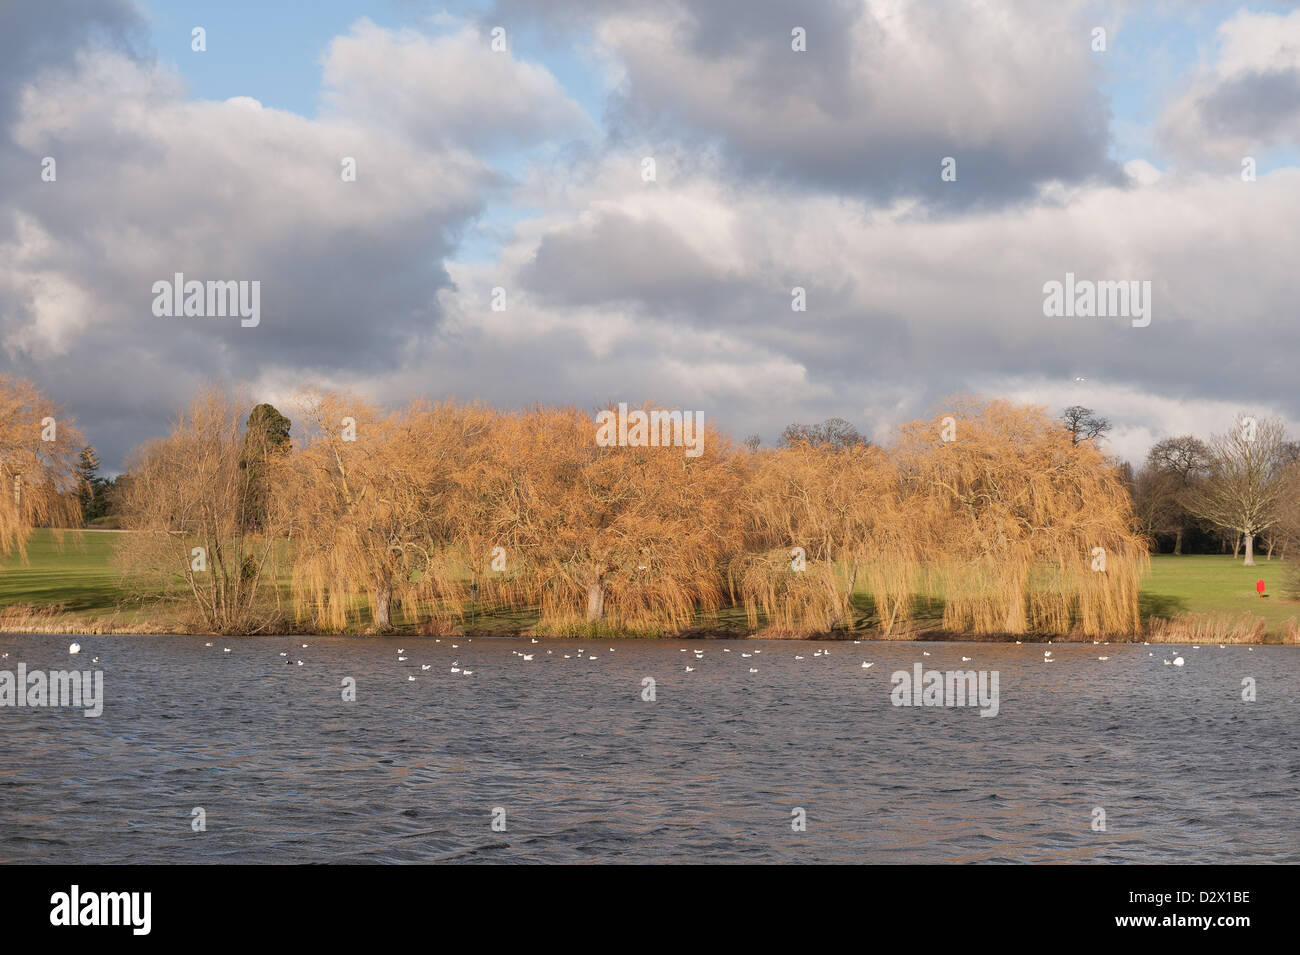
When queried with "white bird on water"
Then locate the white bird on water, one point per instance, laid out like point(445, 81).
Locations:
point(925, 653)
point(410, 679)
point(455, 669)
point(1103, 658)
point(797, 657)
point(401, 659)
point(753, 669)
point(74, 648)
point(867, 666)
point(1179, 661)
point(690, 669)
point(401, 650)
point(225, 649)
point(426, 666)
point(526, 656)
point(965, 659)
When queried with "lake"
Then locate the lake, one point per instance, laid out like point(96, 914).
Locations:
point(714, 769)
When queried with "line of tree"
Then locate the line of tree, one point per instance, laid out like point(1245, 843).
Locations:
point(431, 511)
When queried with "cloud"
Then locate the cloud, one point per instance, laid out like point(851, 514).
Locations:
point(774, 170)
point(1246, 101)
point(882, 94)
point(149, 183)
point(682, 293)
point(445, 90)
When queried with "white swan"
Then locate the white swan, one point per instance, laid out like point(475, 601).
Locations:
point(426, 666)
point(74, 648)
point(867, 666)
point(1179, 661)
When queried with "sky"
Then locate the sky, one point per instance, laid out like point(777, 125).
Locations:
point(1103, 139)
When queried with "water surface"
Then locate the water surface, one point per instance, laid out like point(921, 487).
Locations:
point(587, 771)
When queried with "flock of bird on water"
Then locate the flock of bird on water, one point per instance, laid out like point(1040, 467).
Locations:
point(699, 655)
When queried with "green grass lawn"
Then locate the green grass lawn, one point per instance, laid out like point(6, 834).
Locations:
point(80, 577)
point(1204, 583)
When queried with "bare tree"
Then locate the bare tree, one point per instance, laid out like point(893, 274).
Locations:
point(1175, 469)
point(1243, 489)
point(201, 534)
point(834, 433)
point(1084, 424)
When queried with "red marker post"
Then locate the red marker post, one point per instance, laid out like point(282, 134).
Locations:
point(1259, 587)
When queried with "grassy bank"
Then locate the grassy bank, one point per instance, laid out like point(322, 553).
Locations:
point(75, 587)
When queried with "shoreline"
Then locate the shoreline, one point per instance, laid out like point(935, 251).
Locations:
point(74, 627)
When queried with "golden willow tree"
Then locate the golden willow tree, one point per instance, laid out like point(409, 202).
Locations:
point(820, 520)
point(614, 537)
point(202, 531)
point(39, 480)
point(369, 504)
point(1020, 529)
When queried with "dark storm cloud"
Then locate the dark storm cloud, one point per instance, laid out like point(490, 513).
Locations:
point(872, 107)
point(1256, 104)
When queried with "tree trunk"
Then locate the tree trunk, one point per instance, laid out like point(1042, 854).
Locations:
point(1236, 546)
point(1178, 541)
point(1250, 551)
point(595, 603)
point(383, 599)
